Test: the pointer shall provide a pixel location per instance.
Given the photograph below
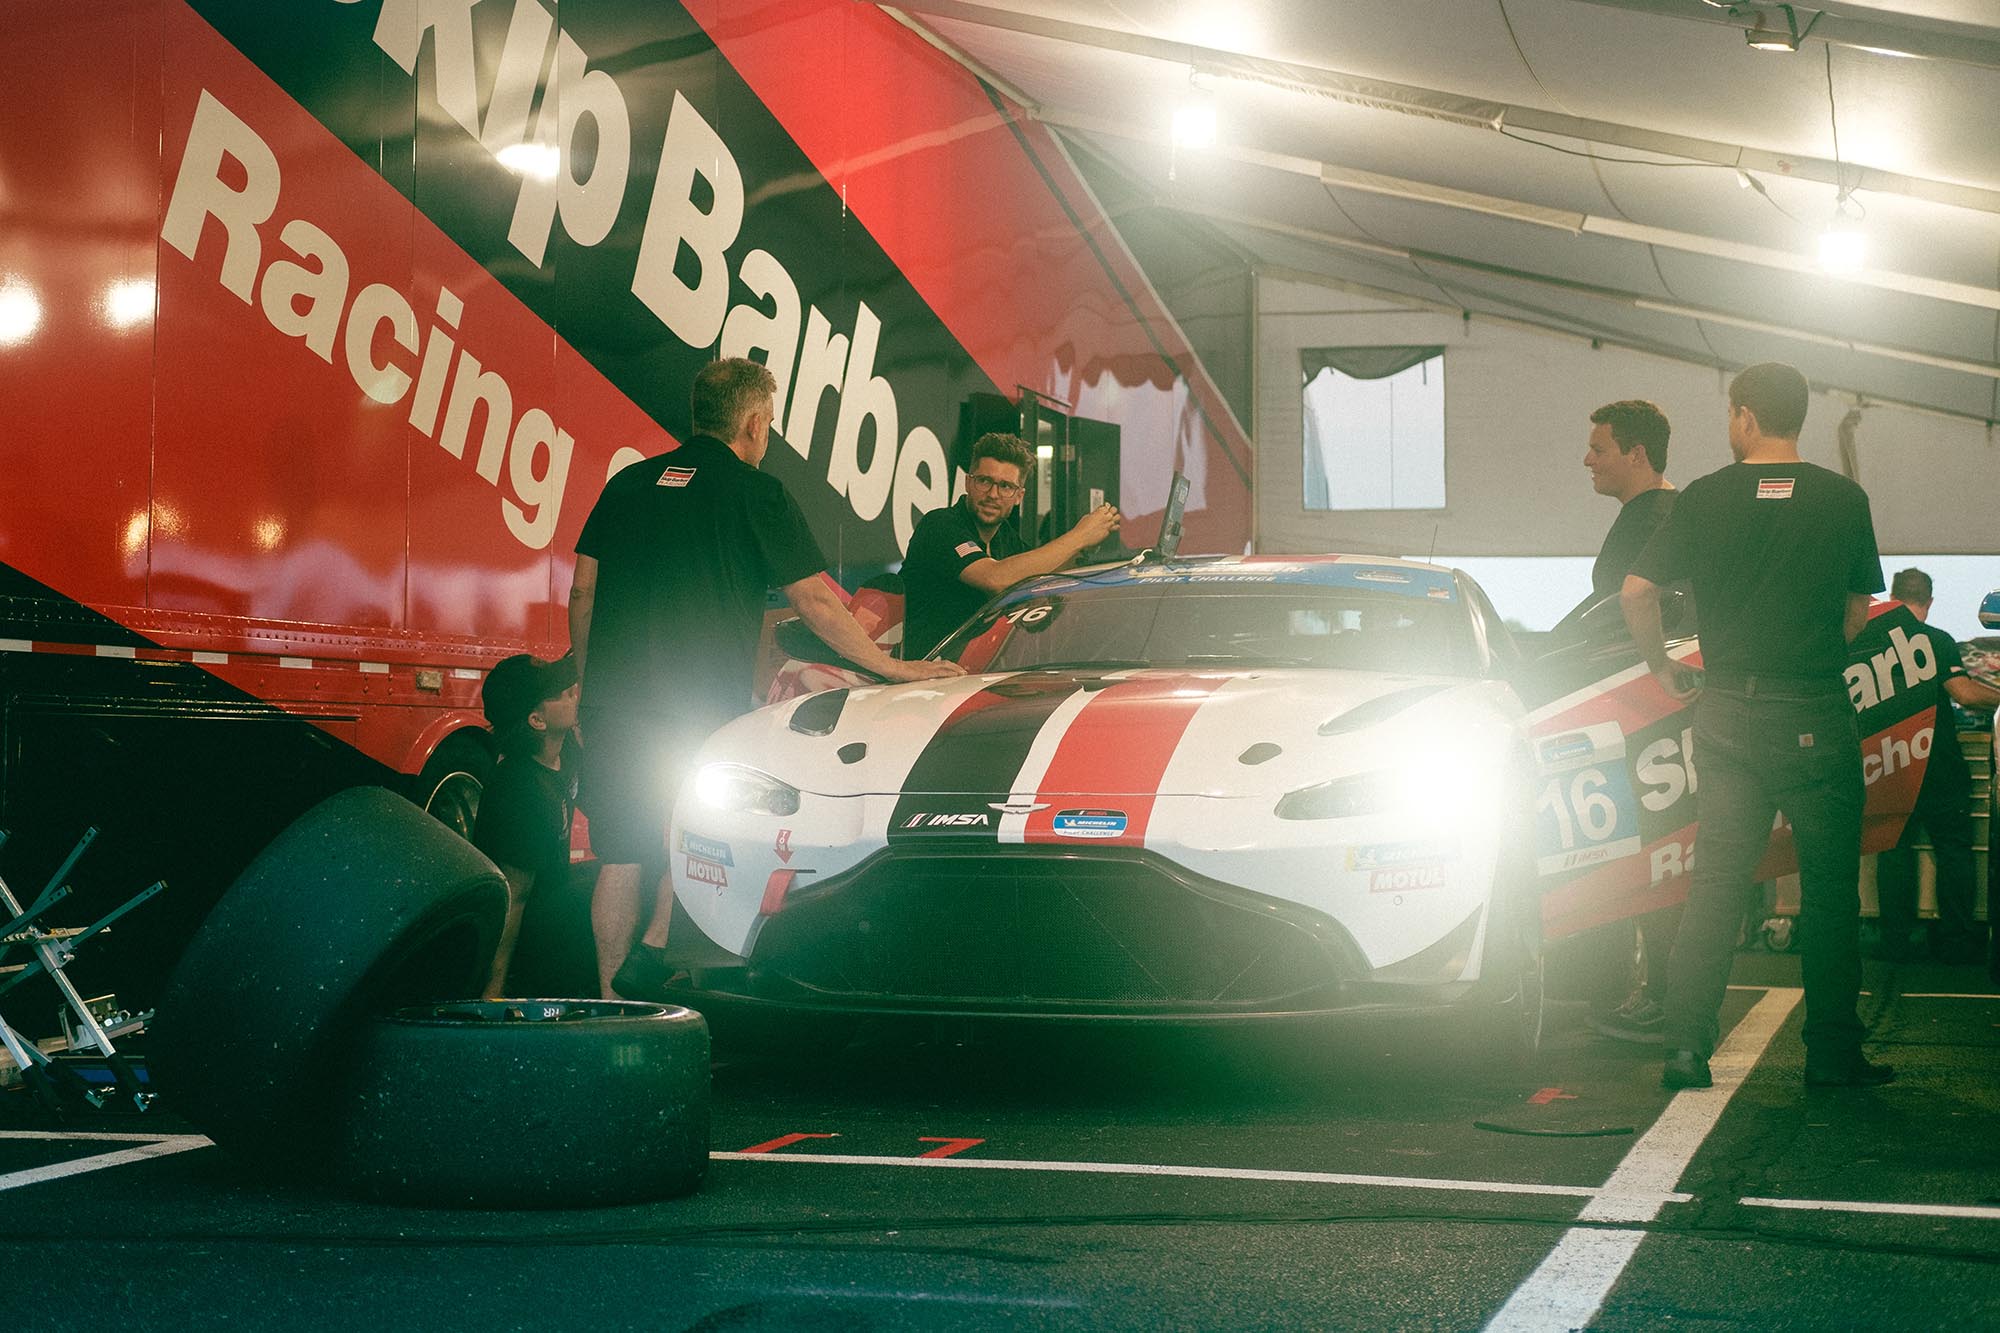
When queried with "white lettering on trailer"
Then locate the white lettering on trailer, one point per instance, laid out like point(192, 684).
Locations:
point(908, 472)
point(308, 303)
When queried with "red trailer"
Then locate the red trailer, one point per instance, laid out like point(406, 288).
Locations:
point(322, 324)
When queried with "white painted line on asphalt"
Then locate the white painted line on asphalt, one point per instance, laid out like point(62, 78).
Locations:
point(1190, 1172)
point(161, 1146)
point(1947, 995)
point(1885, 1209)
point(88, 1136)
point(1569, 1287)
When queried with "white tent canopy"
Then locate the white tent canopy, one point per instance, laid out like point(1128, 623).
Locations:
point(1628, 170)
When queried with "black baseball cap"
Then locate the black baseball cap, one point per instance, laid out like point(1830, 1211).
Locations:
point(517, 685)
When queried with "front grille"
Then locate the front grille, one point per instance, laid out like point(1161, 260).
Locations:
point(1048, 930)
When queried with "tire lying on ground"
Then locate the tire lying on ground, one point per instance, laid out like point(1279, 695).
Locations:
point(528, 1104)
point(362, 905)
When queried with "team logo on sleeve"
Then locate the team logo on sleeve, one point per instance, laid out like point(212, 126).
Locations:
point(967, 548)
point(677, 476)
point(1776, 488)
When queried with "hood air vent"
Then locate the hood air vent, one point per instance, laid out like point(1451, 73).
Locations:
point(1379, 709)
point(819, 714)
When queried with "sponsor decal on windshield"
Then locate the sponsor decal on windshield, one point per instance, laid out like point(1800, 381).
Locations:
point(1088, 823)
point(1390, 580)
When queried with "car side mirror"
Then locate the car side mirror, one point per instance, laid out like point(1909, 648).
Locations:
point(1989, 610)
point(1602, 622)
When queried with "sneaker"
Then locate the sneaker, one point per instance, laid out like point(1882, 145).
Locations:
point(1857, 1071)
point(1685, 1069)
point(1640, 1019)
point(645, 974)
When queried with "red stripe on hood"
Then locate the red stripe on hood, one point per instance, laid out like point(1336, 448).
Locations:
point(1116, 751)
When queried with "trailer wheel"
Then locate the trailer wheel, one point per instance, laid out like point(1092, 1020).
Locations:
point(454, 779)
point(362, 905)
point(528, 1104)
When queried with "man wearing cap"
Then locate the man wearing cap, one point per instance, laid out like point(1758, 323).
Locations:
point(665, 616)
point(1783, 561)
point(524, 812)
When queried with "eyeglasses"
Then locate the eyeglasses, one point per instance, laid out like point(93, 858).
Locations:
point(1003, 489)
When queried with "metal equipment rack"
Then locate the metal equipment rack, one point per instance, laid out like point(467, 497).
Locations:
point(50, 950)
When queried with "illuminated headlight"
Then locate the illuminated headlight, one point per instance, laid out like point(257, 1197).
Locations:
point(744, 790)
point(1428, 782)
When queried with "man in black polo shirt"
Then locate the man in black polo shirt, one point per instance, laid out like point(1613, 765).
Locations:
point(1783, 561)
point(962, 554)
point(1944, 802)
point(664, 618)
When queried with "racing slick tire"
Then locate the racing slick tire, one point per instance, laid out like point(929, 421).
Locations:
point(363, 904)
point(528, 1104)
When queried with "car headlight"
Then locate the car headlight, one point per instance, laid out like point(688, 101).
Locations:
point(744, 790)
point(1425, 781)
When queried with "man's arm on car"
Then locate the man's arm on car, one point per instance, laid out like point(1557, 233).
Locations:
point(990, 575)
point(1974, 694)
point(822, 611)
point(1640, 601)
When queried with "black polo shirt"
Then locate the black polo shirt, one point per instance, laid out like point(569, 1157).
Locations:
point(687, 545)
point(936, 600)
point(1773, 551)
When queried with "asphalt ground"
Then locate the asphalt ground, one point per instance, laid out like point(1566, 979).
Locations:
point(1315, 1177)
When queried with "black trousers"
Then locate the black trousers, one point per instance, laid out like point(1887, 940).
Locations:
point(1757, 752)
point(1943, 811)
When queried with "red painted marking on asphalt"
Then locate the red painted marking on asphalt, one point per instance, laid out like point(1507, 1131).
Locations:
point(952, 1147)
point(1547, 1095)
point(786, 1141)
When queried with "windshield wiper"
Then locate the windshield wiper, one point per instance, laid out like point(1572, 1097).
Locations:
point(1250, 659)
point(1090, 664)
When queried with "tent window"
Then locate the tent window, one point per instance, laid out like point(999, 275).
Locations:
point(1374, 427)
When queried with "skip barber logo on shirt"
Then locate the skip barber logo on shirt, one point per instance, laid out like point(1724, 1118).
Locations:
point(1776, 488)
point(677, 476)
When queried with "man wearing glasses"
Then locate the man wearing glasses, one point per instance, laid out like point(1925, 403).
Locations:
point(961, 555)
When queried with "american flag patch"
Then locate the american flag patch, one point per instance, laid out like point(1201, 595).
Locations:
point(1775, 488)
point(677, 476)
point(968, 548)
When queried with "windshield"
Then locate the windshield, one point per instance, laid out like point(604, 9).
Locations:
point(1207, 621)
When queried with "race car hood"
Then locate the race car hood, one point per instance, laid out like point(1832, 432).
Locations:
point(1090, 733)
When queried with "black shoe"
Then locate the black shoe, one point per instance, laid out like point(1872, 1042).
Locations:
point(1857, 1071)
point(1685, 1069)
point(645, 974)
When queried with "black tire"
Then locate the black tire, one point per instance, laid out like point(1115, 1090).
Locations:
point(451, 784)
point(1514, 965)
point(1511, 1032)
point(364, 904)
point(529, 1104)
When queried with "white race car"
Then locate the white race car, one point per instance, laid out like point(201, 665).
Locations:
point(1201, 789)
